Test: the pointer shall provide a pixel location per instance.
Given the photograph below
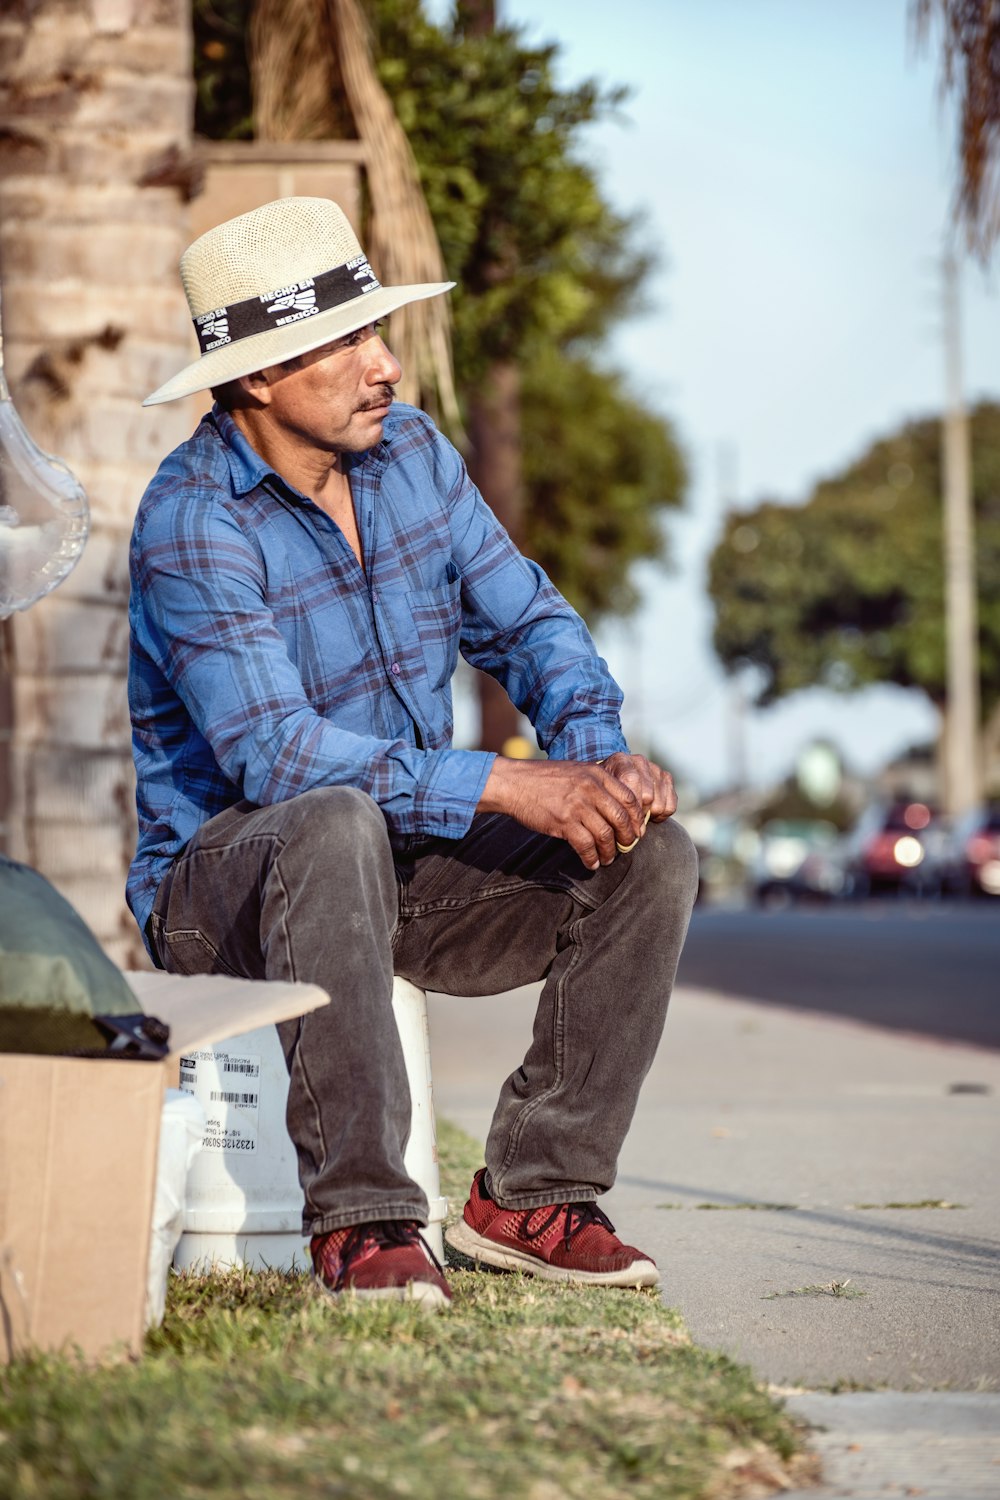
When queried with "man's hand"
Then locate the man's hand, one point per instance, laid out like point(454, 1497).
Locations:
point(653, 786)
point(594, 808)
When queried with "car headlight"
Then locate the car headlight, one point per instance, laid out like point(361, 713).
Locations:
point(908, 852)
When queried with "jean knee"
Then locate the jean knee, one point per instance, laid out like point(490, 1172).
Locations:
point(671, 860)
point(342, 822)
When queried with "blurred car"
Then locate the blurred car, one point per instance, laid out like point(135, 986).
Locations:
point(796, 860)
point(898, 848)
point(724, 844)
point(971, 859)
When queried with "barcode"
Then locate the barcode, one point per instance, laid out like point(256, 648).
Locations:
point(222, 1096)
point(187, 1076)
point(241, 1065)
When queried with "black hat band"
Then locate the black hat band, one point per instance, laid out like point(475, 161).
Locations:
point(288, 304)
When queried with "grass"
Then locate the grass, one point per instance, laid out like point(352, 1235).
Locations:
point(827, 1289)
point(791, 1207)
point(918, 1203)
point(257, 1386)
point(777, 1208)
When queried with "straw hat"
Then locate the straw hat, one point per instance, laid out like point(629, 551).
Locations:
point(275, 283)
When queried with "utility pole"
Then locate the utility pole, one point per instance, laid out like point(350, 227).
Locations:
point(962, 768)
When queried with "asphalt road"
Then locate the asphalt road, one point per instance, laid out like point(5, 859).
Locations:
point(922, 966)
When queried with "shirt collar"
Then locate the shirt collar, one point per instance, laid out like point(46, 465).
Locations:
point(248, 470)
point(246, 467)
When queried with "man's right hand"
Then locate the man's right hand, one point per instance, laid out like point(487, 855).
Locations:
point(581, 803)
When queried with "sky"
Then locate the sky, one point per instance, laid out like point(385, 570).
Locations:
point(793, 161)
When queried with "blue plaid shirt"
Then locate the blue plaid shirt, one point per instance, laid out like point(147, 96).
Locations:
point(265, 661)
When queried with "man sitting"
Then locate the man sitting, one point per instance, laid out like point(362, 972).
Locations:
point(305, 569)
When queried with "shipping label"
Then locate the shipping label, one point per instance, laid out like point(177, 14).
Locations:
point(228, 1089)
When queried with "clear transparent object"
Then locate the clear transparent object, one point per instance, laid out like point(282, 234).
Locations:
point(44, 516)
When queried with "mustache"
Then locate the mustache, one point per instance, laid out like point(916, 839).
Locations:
point(386, 394)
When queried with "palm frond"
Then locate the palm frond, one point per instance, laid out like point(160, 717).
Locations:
point(402, 242)
point(312, 78)
point(289, 71)
point(970, 68)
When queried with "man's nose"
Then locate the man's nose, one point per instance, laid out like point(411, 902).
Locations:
point(384, 368)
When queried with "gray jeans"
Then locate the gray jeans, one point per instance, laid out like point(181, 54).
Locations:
point(310, 889)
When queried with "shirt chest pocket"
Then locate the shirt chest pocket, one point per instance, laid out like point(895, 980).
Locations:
point(434, 619)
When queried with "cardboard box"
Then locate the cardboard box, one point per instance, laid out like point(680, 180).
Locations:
point(78, 1153)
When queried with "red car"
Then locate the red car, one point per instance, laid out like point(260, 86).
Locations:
point(894, 848)
point(972, 865)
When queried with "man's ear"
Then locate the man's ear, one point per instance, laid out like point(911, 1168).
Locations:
point(257, 387)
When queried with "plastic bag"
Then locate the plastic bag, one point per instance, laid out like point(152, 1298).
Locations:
point(181, 1131)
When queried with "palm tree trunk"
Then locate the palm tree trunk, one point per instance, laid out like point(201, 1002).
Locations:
point(96, 103)
point(494, 424)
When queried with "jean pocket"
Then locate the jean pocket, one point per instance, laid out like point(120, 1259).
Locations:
point(188, 951)
point(154, 937)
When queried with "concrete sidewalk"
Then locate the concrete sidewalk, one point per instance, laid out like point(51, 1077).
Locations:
point(774, 1170)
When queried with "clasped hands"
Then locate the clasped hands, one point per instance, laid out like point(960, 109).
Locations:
point(600, 810)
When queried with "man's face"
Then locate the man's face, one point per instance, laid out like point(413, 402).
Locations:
point(336, 398)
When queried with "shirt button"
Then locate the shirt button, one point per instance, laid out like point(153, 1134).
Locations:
point(395, 669)
point(374, 596)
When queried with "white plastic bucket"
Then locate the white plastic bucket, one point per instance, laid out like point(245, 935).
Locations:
point(243, 1203)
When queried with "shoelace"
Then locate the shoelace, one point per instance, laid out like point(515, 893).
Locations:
point(578, 1215)
point(386, 1233)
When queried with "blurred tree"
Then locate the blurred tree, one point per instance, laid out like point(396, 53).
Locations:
point(791, 804)
point(578, 470)
point(574, 468)
point(594, 458)
point(223, 108)
point(848, 588)
point(971, 69)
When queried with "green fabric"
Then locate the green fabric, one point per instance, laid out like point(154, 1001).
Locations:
point(53, 973)
point(53, 1033)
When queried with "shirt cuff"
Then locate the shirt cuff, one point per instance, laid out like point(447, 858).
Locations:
point(587, 742)
point(448, 791)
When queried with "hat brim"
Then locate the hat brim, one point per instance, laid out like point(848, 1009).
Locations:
point(244, 356)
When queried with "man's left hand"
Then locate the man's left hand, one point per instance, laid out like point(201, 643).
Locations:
point(653, 786)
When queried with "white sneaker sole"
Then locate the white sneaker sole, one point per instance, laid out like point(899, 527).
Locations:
point(507, 1258)
point(424, 1294)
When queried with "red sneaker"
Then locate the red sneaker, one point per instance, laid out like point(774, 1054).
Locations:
point(561, 1242)
point(388, 1258)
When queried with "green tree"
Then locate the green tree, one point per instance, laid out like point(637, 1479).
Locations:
point(847, 589)
point(223, 108)
point(575, 467)
point(538, 255)
point(593, 458)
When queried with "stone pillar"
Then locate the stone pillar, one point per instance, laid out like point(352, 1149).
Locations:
point(96, 101)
